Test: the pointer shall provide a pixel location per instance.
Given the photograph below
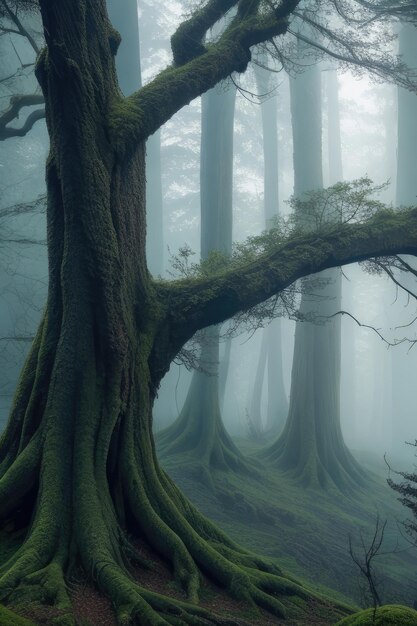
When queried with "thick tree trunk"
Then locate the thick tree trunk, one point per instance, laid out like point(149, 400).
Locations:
point(77, 462)
point(311, 447)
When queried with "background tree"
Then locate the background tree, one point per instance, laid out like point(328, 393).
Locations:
point(199, 434)
point(311, 446)
point(404, 362)
point(270, 356)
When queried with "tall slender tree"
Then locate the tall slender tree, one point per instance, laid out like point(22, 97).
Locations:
point(404, 395)
point(270, 356)
point(199, 432)
point(311, 447)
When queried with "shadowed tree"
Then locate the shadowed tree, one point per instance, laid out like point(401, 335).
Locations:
point(311, 447)
point(78, 469)
point(404, 395)
point(270, 355)
point(198, 434)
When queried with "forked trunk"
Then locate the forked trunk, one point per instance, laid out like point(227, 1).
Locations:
point(77, 463)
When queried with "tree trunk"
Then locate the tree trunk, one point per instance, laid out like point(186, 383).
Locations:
point(77, 460)
point(199, 434)
point(277, 404)
point(255, 417)
point(129, 75)
point(404, 360)
point(311, 447)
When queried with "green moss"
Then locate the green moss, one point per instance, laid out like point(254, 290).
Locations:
point(8, 618)
point(389, 615)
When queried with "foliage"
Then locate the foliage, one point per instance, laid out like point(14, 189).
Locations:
point(389, 615)
point(322, 211)
point(408, 497)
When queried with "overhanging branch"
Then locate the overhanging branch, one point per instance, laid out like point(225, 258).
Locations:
point(196, 303)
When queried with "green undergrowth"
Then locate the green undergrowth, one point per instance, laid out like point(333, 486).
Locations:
point(8, 618)
point(390, 615)
point(307, 531)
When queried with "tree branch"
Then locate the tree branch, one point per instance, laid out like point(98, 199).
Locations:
point(196, 303)
point(12, 113)
point(187, 41)
point(197, 68)
point(20, 29)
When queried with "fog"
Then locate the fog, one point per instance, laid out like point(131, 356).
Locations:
point(378, 394)
point(353, 356)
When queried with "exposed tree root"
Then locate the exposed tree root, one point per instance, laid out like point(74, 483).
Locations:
point(157, 512)
point(324, 469)
point(199, 436)
point(96, 483)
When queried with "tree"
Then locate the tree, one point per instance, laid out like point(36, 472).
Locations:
point(404, 361)
point(270, 356)
point(311, 446)
point(78, 467)
point(365, 561)
point(198, 434)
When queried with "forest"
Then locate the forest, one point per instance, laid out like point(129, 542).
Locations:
point(208, 312)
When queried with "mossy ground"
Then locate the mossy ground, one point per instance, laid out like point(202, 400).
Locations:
point(8, 618)
point(393, 615)
point(307, 530)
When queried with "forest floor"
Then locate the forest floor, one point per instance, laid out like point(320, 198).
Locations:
point(307, 530)
point(93, 609)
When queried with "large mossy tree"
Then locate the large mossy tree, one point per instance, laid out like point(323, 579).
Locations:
point(78, 470)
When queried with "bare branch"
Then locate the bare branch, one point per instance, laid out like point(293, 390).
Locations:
point(20, 29)
point(17, 103)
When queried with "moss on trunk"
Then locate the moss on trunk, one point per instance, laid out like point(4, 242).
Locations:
point(78, 469)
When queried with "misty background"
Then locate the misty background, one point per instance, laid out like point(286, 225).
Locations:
point(378, 391)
